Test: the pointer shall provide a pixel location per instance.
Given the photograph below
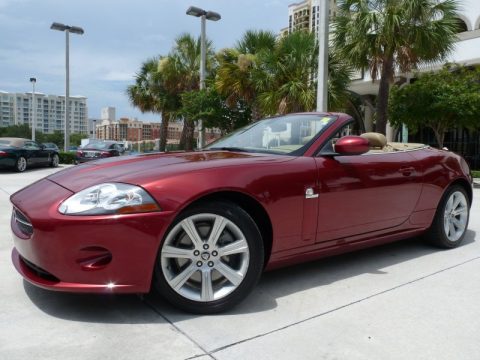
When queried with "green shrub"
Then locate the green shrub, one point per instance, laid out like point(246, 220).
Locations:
point(67, 157)
point(476, 173)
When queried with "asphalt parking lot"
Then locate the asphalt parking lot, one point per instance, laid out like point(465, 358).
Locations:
point(405, 300)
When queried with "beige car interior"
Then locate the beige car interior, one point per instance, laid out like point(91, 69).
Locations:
point(378, 144)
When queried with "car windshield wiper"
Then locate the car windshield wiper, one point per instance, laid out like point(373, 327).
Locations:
point(228, 148)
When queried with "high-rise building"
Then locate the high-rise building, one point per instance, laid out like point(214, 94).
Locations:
point(16, 109)
point(304, 15)
point(108, 113)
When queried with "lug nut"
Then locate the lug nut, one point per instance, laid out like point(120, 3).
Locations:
point(205, 246)
point(210, 263)
point(214, 253)
point(199, 263)
point(196, 253)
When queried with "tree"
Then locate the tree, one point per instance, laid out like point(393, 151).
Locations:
point(385, 35)
point(212, 108)
point(240, 67)
point(182, 74)
point(150, 94)
point(439, 100)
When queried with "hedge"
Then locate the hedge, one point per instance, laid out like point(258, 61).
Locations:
point(66, 157)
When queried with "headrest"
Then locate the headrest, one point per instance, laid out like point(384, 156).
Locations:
point(376, 140)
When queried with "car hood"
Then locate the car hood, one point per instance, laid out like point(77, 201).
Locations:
point(144, 169)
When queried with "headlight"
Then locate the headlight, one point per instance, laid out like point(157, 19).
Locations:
point(109, 198)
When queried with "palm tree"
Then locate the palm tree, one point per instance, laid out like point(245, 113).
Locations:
point(288, 83)
point(149, 94)
point(183, 75)
point(386, 35)
point(239, 67)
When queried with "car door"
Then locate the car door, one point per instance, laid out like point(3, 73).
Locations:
point(32, 153)
point(365, 193)
point(44, 154)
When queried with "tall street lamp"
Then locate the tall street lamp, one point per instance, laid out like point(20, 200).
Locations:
point(75, 30)
point(322, 84)
point(204, 15)
point(34, 108)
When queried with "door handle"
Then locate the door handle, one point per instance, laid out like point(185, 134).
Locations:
point(407, 170)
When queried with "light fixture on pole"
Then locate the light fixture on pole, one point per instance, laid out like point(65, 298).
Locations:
point(204, 15)
point(76, 30)
point(34, 107)
point(322, 84)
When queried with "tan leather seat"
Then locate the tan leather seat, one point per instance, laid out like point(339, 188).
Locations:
point(377, 141)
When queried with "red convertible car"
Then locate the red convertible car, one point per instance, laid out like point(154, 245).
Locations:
point(201, 227)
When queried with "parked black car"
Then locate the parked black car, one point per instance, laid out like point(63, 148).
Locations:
point(18, 154)
point(98, 150)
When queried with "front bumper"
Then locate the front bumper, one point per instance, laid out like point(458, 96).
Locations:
point(94, 254)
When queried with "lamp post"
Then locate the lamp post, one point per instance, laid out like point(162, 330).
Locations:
point(94, 129)
point(34, 108)
point(203, 15)
point(75, 30)
point(322, 84)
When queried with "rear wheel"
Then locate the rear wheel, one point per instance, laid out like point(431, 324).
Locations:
point(210, 259)
point(21, 164)
point(55, 160)
point(451, 219)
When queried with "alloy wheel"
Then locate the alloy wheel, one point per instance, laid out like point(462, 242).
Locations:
point(455, 216)
point(205, 257)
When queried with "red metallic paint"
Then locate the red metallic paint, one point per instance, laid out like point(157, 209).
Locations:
point(351, 145)
point(385, 197)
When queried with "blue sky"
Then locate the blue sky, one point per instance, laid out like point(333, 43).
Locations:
point(119, 35)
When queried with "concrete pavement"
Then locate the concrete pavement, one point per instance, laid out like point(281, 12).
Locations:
point(400, 301)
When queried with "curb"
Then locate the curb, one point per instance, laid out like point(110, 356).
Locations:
point(476, 183)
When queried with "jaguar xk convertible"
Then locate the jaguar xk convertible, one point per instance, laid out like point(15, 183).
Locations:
point(200, 227)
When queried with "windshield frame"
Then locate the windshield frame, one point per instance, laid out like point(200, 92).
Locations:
point(215, 146)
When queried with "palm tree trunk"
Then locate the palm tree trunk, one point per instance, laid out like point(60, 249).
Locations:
point(164, 131)
point(186, 140)
point(382, 99)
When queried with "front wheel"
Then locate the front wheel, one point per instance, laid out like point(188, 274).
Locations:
point(210, 259)
point(451, 219)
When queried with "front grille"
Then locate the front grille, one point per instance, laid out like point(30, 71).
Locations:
point(39, 271)
point(23, 223)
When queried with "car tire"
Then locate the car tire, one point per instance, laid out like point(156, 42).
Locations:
point(451, 219)
point(219, 267)
point(55, 161)
point(21, 164)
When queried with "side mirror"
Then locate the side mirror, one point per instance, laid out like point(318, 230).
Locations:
point(351, 145)
point(42, 147)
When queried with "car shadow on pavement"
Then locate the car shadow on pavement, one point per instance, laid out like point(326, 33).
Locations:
point(93, 308)
point(276, 284)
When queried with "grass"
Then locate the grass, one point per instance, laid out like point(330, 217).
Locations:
point(476, 173)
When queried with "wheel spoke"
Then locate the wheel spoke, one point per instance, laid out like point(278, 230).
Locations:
point(452, 232)
point(217, 230)
point(448, 207)
point(239, 246)
point(207, 289)
point(175, 252)
point(189, 227)
point(456, 201)
point(229, 273)
point(459, 223)
point(460, 211)
point(178, 281)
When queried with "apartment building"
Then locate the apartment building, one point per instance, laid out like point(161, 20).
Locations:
point(16, 109)
point(304, 15)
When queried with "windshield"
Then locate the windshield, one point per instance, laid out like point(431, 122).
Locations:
point(280, 135)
